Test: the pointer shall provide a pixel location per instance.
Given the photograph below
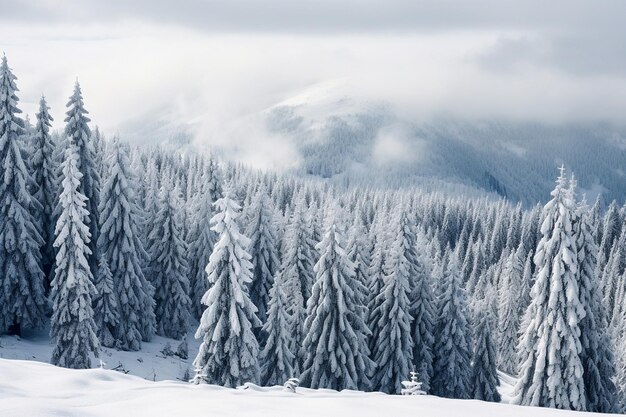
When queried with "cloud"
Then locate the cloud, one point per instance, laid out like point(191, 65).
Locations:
point(213, 67)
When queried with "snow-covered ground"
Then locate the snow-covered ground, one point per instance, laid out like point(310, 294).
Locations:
point(29, 388)
point(149, 363)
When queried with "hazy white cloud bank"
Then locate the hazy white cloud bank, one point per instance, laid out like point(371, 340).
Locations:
point(216, 66)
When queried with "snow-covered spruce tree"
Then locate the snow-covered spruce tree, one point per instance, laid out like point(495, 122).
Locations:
point(277, 359)
point(72, 326)
point(335, 358)
point(22, 300)
point(452, 350)
point(551, 368)
point(121, 245)
point(44, 179)
point(597, 357)
point(229, 351)
point(423, 312)
point(298, 275)
point(484, 380)
point(358, 251)
point(201, 241)
point(380, 244)
point(105, 304)
point(79, 134)
point(392, 341)
point(264, 251)
point(509, 298)
point(168, 267)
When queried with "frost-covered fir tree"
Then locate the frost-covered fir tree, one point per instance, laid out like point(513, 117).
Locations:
point(423, 313)
point(509, 311)
point(105, 304)
point(452, 349)
point(72, 326)
point(597, 357)
point(78, 134)
point(44, 179)
point(201, 241)
point(22, 301)
point(229, 351)
point(392, 341)
point(264, 251)
point(277, 359)
point(335, 358)
point(298, 274)
point(168, 267)
point(551, 367)
point(484, 380)
point(121, 245)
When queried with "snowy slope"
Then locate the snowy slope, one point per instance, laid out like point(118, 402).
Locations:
point(149, 363)
point(33, 388)
point(345, 138)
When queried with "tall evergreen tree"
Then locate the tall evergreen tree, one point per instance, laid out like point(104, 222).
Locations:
point(452, 350)
point(44, 178)
point(78, 133)
point(597, 357)
point(424, 316)
point(509, 311)
point(393, 344)
point(201, 241)
point(105, 304)
point(263, 248)
point(72, 324)
point(229, 351)
point(22, 300)
point(297, 273)
point(484, 373)
point(121, 245)
point(168, 267)
point(551, 369)
point(277, 359)
point(334, 356)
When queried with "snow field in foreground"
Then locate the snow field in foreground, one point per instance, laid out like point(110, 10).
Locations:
point(29, 388)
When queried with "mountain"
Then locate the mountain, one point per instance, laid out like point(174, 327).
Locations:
point(347, 141)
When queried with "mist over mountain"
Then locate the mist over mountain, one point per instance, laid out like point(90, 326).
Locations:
point(324, 132)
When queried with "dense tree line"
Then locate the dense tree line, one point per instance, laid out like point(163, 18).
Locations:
point(346, 288)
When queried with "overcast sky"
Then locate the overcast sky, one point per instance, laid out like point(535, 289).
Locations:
point(214, 63)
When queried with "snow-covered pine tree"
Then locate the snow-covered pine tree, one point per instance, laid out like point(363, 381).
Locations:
point(597, 356)
point(334, 356)
point(201, 241)
point(423, 313)
point(168, 267)
point(509, 298)
point(526, 285)
point(264, 251)
point(484, 381)
point(121, 245)
point(452, 349)
point(105, 304)
point(229, 351)
point(72, 326)
point(44, 179)
point(378, 236)
point(392, 341)
point(298, 274)
point(551, 367)
point(22, 300)
point(277, 359)
point(358, 251)
point(79, 134)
